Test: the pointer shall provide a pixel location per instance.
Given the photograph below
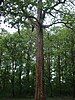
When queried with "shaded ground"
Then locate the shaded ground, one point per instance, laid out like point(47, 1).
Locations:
point(62, 98)
point(56, 98)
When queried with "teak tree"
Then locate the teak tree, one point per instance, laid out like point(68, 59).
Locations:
point(22, 11)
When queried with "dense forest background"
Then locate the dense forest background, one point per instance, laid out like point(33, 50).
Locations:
point(17, 63)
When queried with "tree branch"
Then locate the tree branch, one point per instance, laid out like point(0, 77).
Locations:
point(58, 11)
point(59, 2)
point(65, 23)
point(47, 26)
point(72, 3)
point(53, 7)
point(30, 16)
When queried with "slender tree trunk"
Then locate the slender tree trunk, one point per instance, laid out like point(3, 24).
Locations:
point(0, 68)
point(65, 60)
point(73, 63)
point(28, 71)
point(59, 74)
point(0, 58)
point(28, 66)
point(12, 80)
point(49, 68)
point(20, 81)
point(49, 73)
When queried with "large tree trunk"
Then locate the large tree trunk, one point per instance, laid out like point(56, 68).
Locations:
point(39, 93)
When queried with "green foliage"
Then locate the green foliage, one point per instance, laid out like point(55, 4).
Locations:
point(17, 63)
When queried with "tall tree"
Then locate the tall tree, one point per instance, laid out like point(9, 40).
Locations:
point(39, 93)
point(20, 11)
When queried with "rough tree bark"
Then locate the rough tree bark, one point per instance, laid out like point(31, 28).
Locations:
point(39, 92)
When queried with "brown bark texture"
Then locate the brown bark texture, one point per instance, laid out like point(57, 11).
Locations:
point(39, 92)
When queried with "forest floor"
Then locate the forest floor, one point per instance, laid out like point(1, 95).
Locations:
point(54, 98)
